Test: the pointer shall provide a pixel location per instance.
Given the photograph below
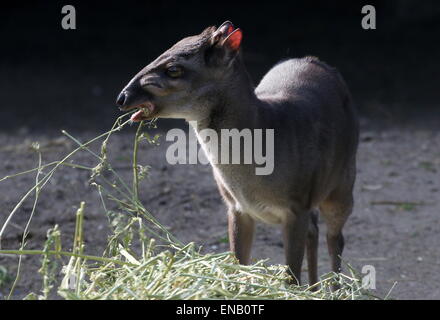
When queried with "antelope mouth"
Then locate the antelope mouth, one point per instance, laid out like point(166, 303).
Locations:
point(146, 111)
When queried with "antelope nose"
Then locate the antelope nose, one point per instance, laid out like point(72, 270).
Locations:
point(121, 99)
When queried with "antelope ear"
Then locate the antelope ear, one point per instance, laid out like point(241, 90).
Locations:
point(226, 28)
point(222, 32)
point(224, 45)
point(233, 40)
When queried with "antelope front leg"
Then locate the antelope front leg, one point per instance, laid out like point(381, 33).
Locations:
point(295, 235)
point(241, 233)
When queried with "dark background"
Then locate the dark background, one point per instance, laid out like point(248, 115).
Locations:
point(52, 79)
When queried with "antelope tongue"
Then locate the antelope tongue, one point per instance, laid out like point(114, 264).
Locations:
point(144, 113)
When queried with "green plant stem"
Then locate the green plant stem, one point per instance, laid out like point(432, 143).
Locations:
point(135, 165)
point(49, 175)
point(67, 254)
point(77, 166)
point(26, 229)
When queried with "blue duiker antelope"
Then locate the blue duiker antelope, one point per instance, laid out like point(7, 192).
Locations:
point(203, 79)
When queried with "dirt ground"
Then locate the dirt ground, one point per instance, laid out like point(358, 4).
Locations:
point(394, 226)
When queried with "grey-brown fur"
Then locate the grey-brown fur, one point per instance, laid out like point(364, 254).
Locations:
point(309, 107)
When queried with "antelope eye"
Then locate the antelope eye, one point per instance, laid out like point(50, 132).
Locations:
point(174, 71)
